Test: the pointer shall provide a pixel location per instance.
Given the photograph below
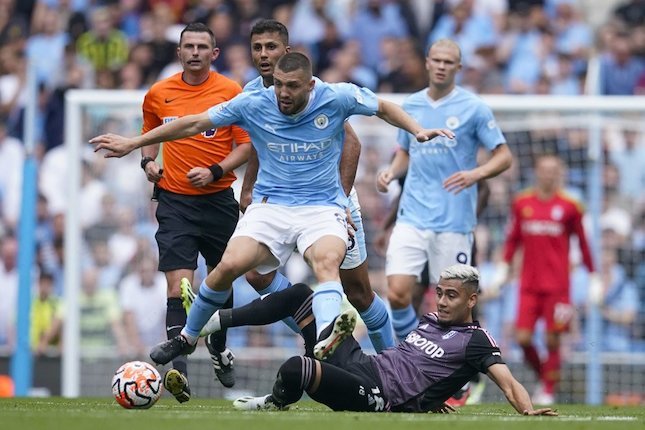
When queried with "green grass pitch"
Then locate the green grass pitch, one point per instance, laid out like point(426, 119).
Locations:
point(206, 414)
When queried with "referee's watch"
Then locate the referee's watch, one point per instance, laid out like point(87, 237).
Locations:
point(145, 161)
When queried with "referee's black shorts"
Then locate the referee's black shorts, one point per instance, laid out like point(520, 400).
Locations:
point(191, 225)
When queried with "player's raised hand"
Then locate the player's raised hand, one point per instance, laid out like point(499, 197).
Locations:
point(430, 133)
point(114, 145)
point(383, 179)
point(543, 411)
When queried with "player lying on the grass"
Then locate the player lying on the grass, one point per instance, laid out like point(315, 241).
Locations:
point(418, 375)
point(292, 302)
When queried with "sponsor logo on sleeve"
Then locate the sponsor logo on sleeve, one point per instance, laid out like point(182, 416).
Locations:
point(220, 107)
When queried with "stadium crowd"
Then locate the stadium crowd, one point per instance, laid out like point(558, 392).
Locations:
point(509, 47)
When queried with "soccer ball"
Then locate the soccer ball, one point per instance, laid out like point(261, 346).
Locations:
point(136, 385)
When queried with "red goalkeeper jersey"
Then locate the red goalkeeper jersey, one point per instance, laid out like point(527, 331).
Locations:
point(543, 228)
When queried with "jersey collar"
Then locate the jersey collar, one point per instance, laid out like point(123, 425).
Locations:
point(443, 100)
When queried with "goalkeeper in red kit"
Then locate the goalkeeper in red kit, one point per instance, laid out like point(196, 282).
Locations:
point(543, 220)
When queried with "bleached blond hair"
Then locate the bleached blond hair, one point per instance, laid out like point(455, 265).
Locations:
point(468, 275)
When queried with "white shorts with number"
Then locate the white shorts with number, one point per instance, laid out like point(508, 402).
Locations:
point(411, 248)
point(356, 250)
point(283, 228)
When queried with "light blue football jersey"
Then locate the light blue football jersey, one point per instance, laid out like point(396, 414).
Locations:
point(425, 204)
point(254, 85)
point(298, 154)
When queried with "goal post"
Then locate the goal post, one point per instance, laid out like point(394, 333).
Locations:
point(577, 127)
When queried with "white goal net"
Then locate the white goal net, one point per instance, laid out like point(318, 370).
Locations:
point(110, 222)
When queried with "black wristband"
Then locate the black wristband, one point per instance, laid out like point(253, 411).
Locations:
point(145, 161)
point(217, 171)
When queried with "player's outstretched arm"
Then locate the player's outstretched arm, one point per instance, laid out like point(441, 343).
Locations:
point(395, 115)
point(515, 392)
point(118, 146)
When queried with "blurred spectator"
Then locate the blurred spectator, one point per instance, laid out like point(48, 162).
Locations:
point(103, 45)
point(8, 290)
point(620, 70)
point(76, 26)
point(374, 20)
point(92, 192)
point(100, 318)
point(572, 35)
point(563, 80)
point(14, 25)
point(619, 305)
point(75, 74)
point(346, 67)
point(142, 296)
point(245, 14)
point(107, 225)
point(130, 12)
point(403, 68)
point(163, 50)
point(471, 29)
point(107, 274)
point(44, 227)
point(481, 75)
point(13, 68)
point(323, 51)
point(497, 10)
point(614, 217)
point(223, 26)
point(175, 7)
point(46, 49)
point(123, 243)
point(12, 156)
point(141, 54)
point(201, 9)
point(522, 49)
point(106, 79)
point(631, 12)
point(627, 153)
point(131, 77)
point(52, 179)
point(308, 23)
point(46, 317)
point(238, 65)
point(640, 85)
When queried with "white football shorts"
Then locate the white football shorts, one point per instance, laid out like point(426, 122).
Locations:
point(283, 228)
point(356, 250)
point(411, 248)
